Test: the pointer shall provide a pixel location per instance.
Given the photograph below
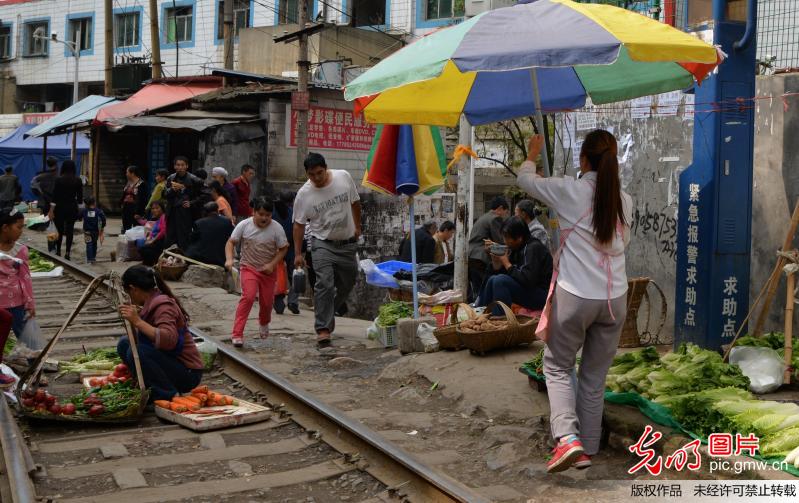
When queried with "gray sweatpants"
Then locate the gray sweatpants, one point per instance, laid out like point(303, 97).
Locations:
point(575, 323)
point(336, 270)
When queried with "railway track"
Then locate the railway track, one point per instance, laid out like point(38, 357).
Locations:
point(307, 450)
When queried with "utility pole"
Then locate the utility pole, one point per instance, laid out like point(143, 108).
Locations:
point(228, 32)
point(462, 219)
point(154, 39)
point(303, 66)
point(109, 48)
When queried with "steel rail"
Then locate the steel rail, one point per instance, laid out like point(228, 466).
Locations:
point(446, 487)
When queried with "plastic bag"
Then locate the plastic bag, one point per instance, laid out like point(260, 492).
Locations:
point(208, 353)
point(52, 232)
point(425, 334)
point(763, 366)
point(298, 281)
point(134, 233)
point(372, 332)
point(375, 276)
point(32, 335)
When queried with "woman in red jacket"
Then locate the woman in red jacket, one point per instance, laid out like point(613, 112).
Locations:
point(170, 361)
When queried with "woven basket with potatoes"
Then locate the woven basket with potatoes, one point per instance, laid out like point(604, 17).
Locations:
point(485, 332)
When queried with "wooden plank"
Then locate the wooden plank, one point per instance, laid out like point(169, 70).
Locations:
point(183, 458)
point(171, 433)
point(208, 488)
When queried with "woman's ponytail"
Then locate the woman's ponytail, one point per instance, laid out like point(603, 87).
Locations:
point(600, 150)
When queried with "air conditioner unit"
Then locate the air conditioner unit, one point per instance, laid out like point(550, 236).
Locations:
point(475, 7)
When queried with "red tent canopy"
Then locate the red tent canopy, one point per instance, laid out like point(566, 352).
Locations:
point(157, 95)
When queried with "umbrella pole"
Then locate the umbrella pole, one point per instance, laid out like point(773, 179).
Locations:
point(539, 120)
point(413, 262)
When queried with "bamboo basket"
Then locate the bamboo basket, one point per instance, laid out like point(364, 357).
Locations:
point(170, 272)
point(520, 330)
point(447, 335)
point(34, 372)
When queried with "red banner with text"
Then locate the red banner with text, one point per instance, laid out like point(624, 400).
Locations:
point(333, 129)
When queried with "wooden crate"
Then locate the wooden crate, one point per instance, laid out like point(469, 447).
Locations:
point(243, 413)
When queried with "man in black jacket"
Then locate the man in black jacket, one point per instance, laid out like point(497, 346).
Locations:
point(182, 193)
point(210, 236)
point(486, 228)
point(425, 244)
point(520, 276)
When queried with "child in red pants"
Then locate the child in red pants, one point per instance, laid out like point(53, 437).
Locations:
point(263, 247)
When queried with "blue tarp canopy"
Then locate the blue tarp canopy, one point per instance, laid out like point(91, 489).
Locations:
point(83, 111)
point(25, 154)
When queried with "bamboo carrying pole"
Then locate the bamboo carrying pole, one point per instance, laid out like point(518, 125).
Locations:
point(773, 281)
point(133, 344)
point(789, 302)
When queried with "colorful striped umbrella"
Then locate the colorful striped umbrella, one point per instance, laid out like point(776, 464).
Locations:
point(408, 160)
point(489, 66)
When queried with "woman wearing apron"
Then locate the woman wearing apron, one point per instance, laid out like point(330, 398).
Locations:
point(588, 296)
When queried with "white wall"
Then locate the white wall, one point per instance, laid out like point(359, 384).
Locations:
point(57, 68)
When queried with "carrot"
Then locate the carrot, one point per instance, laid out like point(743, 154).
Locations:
point(176, 407)
point(192, 399)
point(186, 403)
point(164, 404)
point(230, 401)
point(201, 396)
point(200, 389)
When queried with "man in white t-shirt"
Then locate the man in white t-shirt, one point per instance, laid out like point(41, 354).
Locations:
point(263, 248)
point(329, 205)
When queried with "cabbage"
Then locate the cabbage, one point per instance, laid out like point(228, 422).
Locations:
point(780, 443)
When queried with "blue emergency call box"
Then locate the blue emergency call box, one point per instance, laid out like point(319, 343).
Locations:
point(715, 191)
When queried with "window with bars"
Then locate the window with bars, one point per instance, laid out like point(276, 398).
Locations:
point(444, 9)
point(179, 24)
point(36, 38)
point(84, 25)
point(241, 17)
point(5, 41)
point(289, 11)
point(126, 29)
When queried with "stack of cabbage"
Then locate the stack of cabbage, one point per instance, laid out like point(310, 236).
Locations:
point(708, 396)
point(690, 368)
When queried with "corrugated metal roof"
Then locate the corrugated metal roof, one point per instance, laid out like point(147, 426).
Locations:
point(153, 97)
point(83, 111)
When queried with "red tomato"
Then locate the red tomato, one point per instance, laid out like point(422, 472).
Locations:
point(112, 379)
point(39, 396)
point(94, 381)
point(68, 409)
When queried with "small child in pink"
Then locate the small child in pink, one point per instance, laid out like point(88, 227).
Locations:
point(263, 247)
point(16, 288)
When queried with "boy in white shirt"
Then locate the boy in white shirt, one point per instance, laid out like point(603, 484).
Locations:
point(263, 247)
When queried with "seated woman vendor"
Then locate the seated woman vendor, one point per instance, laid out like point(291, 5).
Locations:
point(169, 358)
point(520, 272)
point(152, 245)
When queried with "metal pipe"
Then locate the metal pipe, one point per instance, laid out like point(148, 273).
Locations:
point(451, 487)
point(413, 260)
point(16, 466)
point(751, 20)
point(539, 120)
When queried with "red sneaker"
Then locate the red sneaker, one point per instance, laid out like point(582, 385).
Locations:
point(582, 462)
point(564, 454)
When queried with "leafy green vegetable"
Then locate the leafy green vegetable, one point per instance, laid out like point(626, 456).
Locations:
point(37, 263)
point(780, 443)
point(98, 359)
point(389, 313)
point(11, 343)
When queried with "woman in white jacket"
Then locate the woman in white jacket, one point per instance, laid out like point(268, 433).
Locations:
point(589, 301)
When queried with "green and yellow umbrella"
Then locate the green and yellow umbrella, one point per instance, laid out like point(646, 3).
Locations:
point(482, 67)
